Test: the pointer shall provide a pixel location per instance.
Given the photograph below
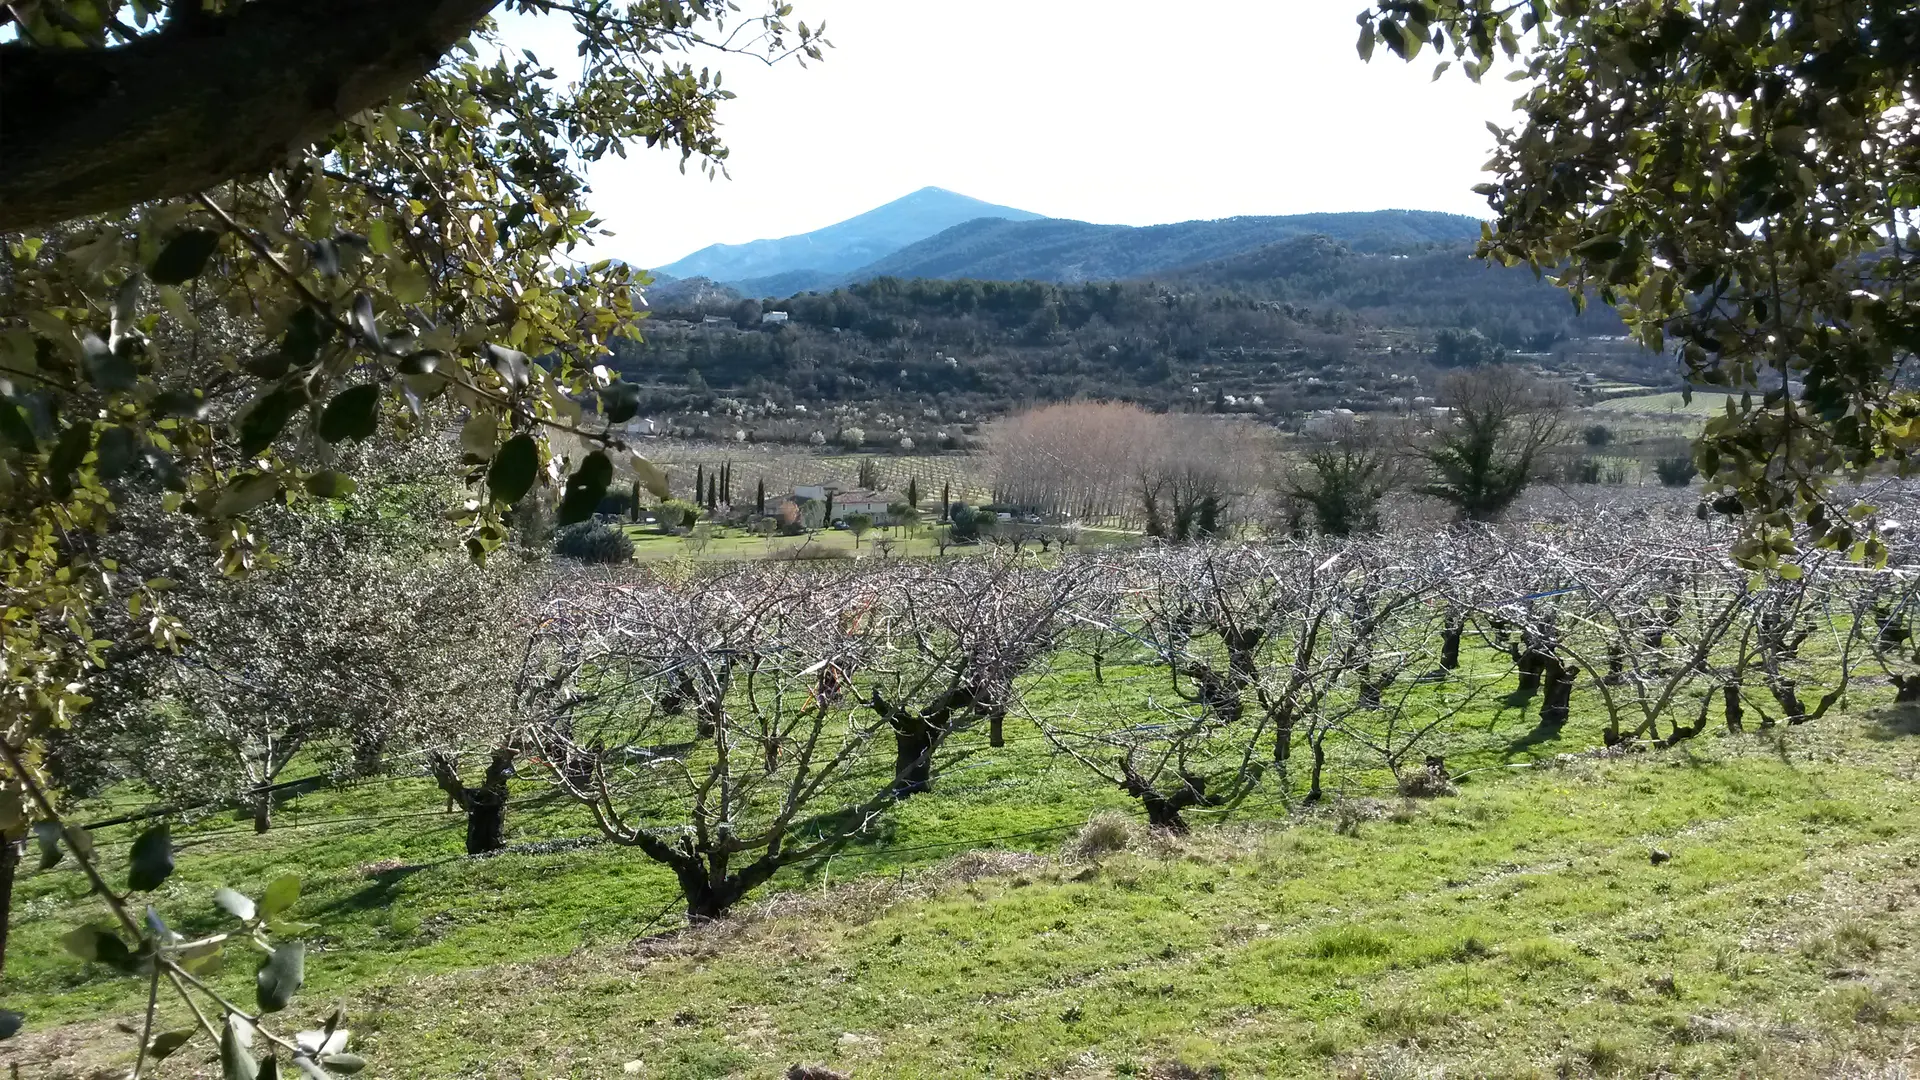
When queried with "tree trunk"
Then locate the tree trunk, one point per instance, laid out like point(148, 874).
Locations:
point(485, 806)
point(1906, 689)
point(262, 811)
point(917, 734)
point(1787, 693)
point(486, 820)
point(1616, 664)
point(1163, 809)
point(1314, 793)
point(913, 759)
point(1558, 703)
point(1730, 698)
point(1456, 628)
point(996, 728)
point(1163, 813)
point(710, 890)
point(9, 861)
point(368, 748)
point(1530, 663)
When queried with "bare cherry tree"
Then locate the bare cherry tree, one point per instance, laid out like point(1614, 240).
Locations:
point(710, 723)
point(958, 639)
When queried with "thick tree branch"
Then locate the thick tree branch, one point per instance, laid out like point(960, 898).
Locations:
point(87, 131)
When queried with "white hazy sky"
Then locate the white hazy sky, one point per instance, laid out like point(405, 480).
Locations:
point(1114, 111)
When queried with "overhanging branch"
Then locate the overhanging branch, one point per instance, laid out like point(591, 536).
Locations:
point(88, 131)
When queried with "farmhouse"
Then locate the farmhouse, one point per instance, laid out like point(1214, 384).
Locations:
point(874, 504)
point(871, 503)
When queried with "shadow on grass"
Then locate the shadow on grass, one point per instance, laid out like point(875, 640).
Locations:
point(1895, 722)
point(1543, 732)
point(381, 890)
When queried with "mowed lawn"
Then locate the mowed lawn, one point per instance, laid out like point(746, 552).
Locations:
point(1520, 927)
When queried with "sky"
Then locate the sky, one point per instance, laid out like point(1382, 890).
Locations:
point(1114, 111)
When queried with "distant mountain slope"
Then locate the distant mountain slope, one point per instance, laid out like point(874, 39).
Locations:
point(1059, 250)
point(847, 245)
point(671, 293)
point(1431, 287)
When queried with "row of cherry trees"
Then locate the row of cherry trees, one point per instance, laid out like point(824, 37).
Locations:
point(734, 723)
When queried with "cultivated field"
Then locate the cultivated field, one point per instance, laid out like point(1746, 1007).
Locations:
point(1452, 873)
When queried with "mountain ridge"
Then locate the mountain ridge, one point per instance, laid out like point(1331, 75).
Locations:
point(1066, 251)
point(1069, 252)
point(844, 245)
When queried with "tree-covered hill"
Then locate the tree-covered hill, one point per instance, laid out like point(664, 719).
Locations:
point(1075, 251)
point(1360, 331)
point(1433, 287)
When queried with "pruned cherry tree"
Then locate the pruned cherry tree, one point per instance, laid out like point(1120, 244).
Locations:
point(710, 723)
point(957, 642)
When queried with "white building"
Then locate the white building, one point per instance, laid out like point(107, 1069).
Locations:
point(773, 318)
point(874, 504)
point(871, 503)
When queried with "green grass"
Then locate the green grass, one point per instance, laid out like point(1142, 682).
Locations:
point(738, 545)
point(1517, 928)
point(1704, 404)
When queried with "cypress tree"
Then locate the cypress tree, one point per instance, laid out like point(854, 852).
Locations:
point(699, 483)
point(946, 498)
point(760, 496)
point(913, 492)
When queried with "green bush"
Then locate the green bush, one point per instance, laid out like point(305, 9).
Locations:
point(590, 541)
point(1598, 435)
point(1676, 471)
point(678, 514)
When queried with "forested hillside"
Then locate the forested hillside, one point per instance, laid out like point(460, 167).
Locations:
point(1074, 251)
point(1054, 249)
point(1428, 288)
point(1330, 327)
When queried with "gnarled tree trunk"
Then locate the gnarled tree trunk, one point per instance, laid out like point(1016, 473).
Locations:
point(1906, 689)
point(485, 806)
point(1450, 635)
point(1557, 705)
point(9, 862)
point(1164, 807)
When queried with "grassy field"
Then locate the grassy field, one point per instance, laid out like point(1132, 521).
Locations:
point(1703, 404)
point(1517, 928)
point(737, 545)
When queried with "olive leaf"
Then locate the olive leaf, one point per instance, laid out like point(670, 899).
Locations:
point(353, 413)
point(234, 903)
point(514, 467)
point(266, 416)
point(184, 257)
point(152, 859)
point(281, 894)
point(511, 364)
point(236, 1053)
point(280, 975)
point(244, 492)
